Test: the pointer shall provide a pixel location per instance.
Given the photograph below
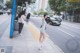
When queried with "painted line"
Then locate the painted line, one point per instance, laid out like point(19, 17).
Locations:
point(74, 31)
point(71, 26)
point(66, 33)
point(35, 32)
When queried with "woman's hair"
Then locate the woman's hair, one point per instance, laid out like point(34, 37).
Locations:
point(28, 16)
point(21, 13)
point(44, 15)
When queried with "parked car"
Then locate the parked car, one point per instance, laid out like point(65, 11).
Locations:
point(56, 21)
point(58, 18)
point(1, 11)
point(8, 11)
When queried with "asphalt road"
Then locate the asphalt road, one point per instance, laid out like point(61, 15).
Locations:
point(66, 36)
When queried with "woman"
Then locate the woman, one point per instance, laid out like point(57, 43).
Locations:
point(21, 20)
point(42, 31)
point(28, 17)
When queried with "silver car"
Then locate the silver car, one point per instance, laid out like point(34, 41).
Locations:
point(55, 21)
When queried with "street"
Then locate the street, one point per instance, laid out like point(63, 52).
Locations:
point(66, 36)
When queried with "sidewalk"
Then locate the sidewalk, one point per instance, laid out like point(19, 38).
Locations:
point(3, 18)
point(4, 22)
point(27, 42)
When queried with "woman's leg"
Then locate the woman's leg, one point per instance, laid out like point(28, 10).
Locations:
point(20, 27)
point(42, 37)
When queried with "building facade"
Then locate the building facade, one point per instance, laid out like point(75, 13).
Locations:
point(1, 3)
point(44, 5)
point(4, 1)
point(41, 5)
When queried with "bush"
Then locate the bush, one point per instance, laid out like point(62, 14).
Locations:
point(9, 4)
point(41, 13)
point(35, 13)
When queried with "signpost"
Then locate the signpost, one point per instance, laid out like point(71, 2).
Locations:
point(12, 19)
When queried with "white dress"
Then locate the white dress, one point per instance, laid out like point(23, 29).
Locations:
point(44, 24)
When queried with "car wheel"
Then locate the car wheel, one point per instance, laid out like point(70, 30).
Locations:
point(50, 23)
point(59, 24)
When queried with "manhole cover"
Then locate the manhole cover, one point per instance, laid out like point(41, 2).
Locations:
point(72, 45)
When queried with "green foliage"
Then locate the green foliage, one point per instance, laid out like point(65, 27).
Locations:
point(63, 5)
point(35, 13)
point(20, 2)
point(9, 4)
point(57, 5)
point(42, 13)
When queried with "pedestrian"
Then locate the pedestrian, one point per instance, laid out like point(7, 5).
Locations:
point(42, 31)
point(21, 21)
point(63, 16)
point(28, 17)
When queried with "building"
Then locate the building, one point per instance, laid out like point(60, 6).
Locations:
point(38, 5)
point(41, 5)
point(1, 4)
point(4, 1)
point(44, 5)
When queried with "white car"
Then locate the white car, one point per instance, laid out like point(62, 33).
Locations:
point(5, 11)
point(1, 11)
point(56, 21)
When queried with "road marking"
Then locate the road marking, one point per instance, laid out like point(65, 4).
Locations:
point(71, 29)
point(66, 32)
point(35, 32)
point(71, 26)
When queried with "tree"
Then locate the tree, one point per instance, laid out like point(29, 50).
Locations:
point(57, 5)
point(20, 2)
point(9, 4)
point(72, 7)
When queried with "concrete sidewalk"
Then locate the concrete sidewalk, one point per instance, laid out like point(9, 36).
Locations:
point(27, 42)
point(4, 17)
